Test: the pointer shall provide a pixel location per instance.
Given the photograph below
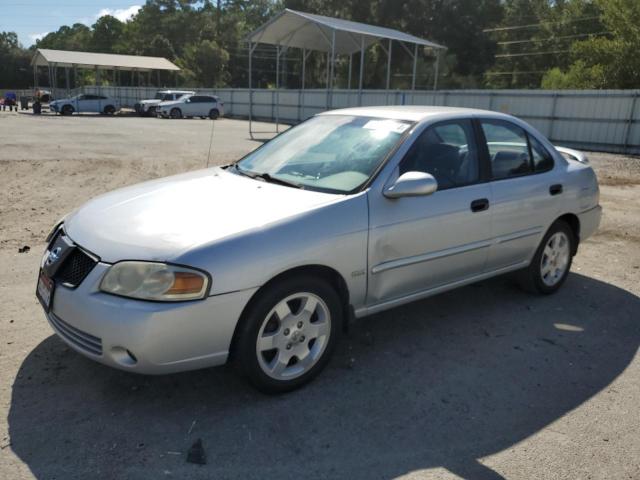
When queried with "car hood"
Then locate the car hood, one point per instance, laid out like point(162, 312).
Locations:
point(153, 101)
point(162, 219)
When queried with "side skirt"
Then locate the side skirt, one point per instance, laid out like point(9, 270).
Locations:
point(396, 302)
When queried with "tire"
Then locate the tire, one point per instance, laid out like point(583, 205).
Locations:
point(151, 112)
point(175, 113)
point(279, 354)
point(66, 110)
point(552, 261)
point(214, 114)
point(109, 110)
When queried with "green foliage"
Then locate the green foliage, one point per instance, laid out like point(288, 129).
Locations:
point(611, 61)
point(14, 62)
point(536, 37)
point(207, 62)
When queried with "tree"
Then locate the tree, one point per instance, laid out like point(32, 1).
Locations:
point(536, 36)
point(107, 32)
point(77, 37)
point(160, 46)
point(207, 61)
point(14, 62)
point(610, 61)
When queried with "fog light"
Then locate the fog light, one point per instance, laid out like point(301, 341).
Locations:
point(123, 356)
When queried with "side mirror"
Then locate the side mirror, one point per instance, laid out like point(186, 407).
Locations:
point(412, 184)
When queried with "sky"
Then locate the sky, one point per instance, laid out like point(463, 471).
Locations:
point(32, 19)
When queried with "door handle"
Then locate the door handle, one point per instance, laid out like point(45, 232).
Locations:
point(555, 189)
point(480, 205)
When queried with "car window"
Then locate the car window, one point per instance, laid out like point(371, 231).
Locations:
point(196, 99)
point(508, 149)
point(542, 159)
point(332, 153)
point(448, 152)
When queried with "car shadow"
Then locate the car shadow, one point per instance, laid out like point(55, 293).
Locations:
point(439, 383)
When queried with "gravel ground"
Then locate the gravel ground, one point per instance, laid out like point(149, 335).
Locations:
point(484, 382)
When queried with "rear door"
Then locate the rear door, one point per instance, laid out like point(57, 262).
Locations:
point(525, 189)
point(421, 243)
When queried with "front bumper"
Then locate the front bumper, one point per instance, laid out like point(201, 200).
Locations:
point(145, 337)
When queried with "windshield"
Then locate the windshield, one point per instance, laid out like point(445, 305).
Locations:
point(332, 153)
point(160, 96)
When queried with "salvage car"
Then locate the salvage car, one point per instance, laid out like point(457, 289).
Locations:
point(350, 213)
point(85, 103)
point(147, 108)
point(189, 106)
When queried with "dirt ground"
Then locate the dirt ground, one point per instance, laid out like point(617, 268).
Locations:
point(485, 382)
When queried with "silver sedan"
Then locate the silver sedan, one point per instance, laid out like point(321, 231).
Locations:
point(347, 214)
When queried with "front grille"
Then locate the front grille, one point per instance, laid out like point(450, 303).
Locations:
point(75, 268)
point(77, 337)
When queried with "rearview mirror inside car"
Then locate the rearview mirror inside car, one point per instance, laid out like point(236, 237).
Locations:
point(412, 184)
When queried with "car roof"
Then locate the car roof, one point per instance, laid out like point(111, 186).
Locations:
point(175, 91)
point(413, 113)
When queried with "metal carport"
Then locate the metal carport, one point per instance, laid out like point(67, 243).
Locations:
point(310, 32)
point(98, 62)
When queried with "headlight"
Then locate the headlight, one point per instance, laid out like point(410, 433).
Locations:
point(155, 281)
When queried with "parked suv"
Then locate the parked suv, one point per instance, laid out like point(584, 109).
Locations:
point(85, 103)
point(192, 106)
point(148, 107)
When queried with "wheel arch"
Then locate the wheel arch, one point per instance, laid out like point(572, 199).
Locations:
point(573, 221)
point(330, 275)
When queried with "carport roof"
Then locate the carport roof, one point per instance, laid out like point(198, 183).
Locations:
point(65, 58)
point(314, 32)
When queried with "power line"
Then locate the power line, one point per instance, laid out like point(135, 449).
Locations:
point(552, 52)
point(533, 25)
point(530, 72)
point(514, 42)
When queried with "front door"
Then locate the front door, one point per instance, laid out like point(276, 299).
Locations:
point(421, 243)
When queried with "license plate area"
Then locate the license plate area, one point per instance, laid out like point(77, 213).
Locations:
point(44, 291)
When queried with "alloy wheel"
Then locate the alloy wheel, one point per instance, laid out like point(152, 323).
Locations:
point(293, 336)
point(555, 259)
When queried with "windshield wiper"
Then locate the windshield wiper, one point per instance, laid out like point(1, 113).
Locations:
point(267, 177)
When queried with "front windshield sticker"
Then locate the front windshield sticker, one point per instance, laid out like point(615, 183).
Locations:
point(386, 126)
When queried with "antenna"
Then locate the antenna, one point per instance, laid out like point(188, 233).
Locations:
point(213, 122)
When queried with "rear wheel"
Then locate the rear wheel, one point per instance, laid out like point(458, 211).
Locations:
point(176, 113)
point(288, 333)
point(66, 110)
point(109, 110)
point(151, 111)
point(552, 261)
point(214, 114)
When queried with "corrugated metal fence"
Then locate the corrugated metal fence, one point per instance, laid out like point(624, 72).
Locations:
point(601, 120)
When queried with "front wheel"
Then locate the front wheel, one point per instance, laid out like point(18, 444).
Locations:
point(66, 110)
point(214, 114)
point(151, 112)
point(552, 261)
point(176, 113)
point(109, 110)
point(288, 333)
